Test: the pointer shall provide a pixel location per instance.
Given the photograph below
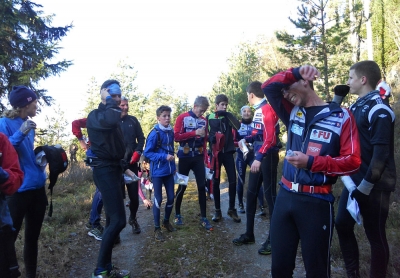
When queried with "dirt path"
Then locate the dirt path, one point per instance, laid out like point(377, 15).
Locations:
point(127, 254)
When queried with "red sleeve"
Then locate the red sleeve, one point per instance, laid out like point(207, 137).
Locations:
point(76, 127)
point(179, 130)
point(10, 164)
point(269, 134)
point(349, 160)
point(235, 138)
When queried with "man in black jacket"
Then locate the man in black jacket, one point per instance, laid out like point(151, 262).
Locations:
point(134, 142)
point(107, 145)
point(220, 124)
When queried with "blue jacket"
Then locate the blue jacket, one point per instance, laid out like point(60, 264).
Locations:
point(157, 153)
point(34, 177)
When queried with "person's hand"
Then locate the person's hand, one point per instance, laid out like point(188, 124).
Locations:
point(147, 203)
point(135, 157)
point(83, 144)
point(255, 166)
point(298, 160)
point(308, 72)
point(170, 157)
point(201, 131)
point(360, 197)
point(27, 126)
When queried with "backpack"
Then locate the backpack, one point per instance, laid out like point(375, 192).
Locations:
point(58, 163)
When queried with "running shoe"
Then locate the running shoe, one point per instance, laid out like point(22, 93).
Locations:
point(243, 239)
point(168, 226)
point(241, 209)
point(135, 225)
point(158, 235)
point(217, 216)
point(232, 213)
point(206, 224)
point(262, 211)
point(96, 232)
point(265, 248)
point(178, 220)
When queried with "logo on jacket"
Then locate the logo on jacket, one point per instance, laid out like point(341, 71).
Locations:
point(296, 129)
point(321, 135)
point(313, 149)
point(299, 114)
point(365, 108)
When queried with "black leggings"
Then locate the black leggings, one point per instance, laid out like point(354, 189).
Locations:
point(108, 180)
point(268, 176)
point(374, 218)
point(227, 160)
point(31, 206)
point(306, 219)
point(196, 164)
point(133, 193)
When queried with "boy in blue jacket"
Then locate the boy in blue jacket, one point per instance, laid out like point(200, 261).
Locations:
point(160, 151)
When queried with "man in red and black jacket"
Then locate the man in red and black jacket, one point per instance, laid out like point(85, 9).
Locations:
point(191, 134)
point(322, 144)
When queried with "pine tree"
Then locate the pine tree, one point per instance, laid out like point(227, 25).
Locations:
point(323, 42)
point(27, 45)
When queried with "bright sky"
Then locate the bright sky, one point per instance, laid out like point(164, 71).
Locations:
point(179, 44)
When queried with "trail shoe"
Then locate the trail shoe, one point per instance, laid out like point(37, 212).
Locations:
point(178, 220)
point(158, 235)
point(241, 209)
point(262, 211)
point(135, 225)
point(265, 249)
point(206, 224)
point(232, 213)
point(243, 239)
point(119, 273)
point(114, 273)
point(96, 232)
point(88, 226)
point(217, 216)
point(168, 226)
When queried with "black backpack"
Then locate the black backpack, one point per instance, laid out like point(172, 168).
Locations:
point(58, 163)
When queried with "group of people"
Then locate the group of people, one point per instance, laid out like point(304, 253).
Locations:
point(324, 141)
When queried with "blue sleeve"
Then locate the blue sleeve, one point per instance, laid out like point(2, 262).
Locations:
point(150, 149)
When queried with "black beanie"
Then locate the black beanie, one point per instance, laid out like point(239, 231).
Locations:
point(21, 96)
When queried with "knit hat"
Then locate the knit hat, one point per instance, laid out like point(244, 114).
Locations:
point(244, 107)
point(21, 96)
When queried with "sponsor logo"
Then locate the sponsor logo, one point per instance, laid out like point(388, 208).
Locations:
point(365, 107)
point(331, 123)
point(321, 135)
point(296, 129)
point(257, 125)
point(299, 114)
point(338, 115)
point(314, 149)
point(382, 116)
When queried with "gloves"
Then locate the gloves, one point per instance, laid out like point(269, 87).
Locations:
point(340, 92)
point(135, 157)
point(360, 197)
point(220, 113)
point(27, 126)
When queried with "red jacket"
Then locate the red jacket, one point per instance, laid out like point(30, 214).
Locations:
point(9, 166)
